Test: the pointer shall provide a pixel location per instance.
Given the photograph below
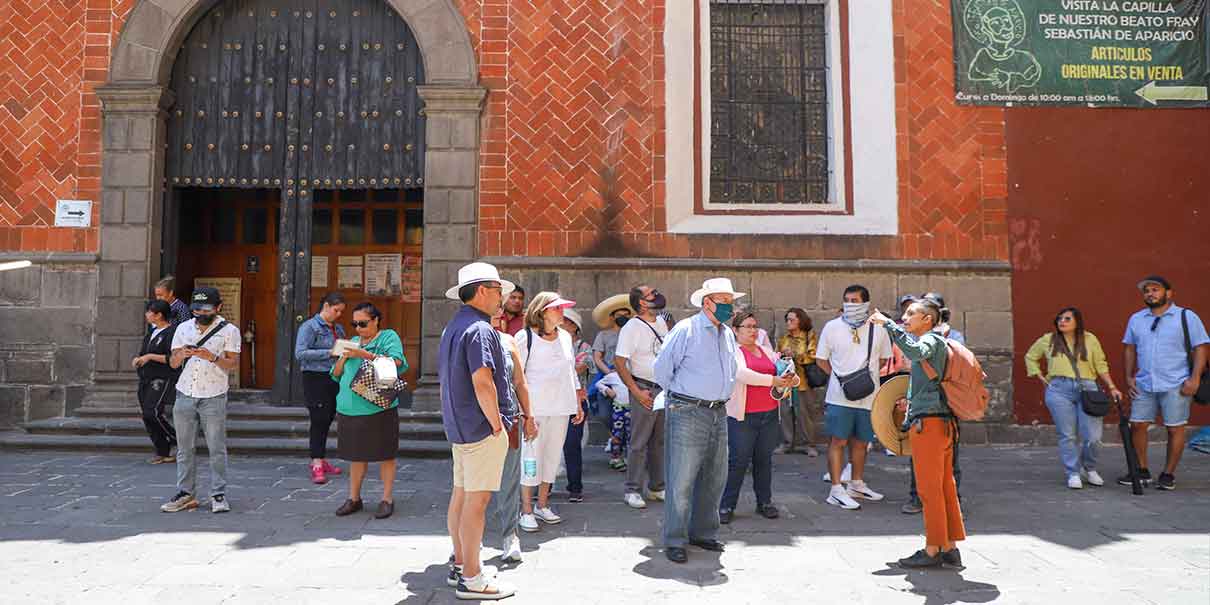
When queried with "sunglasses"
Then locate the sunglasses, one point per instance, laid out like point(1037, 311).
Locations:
point(361, 324)
point(1066, 319)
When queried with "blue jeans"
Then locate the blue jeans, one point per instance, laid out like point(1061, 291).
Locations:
point(573, 454)
point(695, 463)
point(1063, 401)
point(751, 442)
point(211, 413)
point(505, 506)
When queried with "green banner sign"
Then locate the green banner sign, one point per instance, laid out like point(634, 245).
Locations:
point(1100, 53)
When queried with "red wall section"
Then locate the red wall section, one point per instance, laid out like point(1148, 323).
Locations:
point(1099, 199)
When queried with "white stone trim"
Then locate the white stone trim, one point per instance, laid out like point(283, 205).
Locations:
point(872, 98)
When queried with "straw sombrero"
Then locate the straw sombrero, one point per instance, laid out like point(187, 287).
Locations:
point(887, 420)
point(600, 314)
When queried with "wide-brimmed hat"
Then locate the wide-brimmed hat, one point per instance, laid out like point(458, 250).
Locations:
point(887, 420)
point(717, 285)
point(601, 313)
point(475, 273)
point(575, 318)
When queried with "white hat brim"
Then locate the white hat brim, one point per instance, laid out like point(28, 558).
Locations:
point(696, 297)
point(506, 288)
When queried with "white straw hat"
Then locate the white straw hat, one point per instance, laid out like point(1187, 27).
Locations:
point(717, 285)
point(476, 273)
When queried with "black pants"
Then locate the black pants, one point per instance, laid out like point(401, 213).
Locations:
point(154, 395)
point(320, 391)
point(751, 442)
point(573, 456)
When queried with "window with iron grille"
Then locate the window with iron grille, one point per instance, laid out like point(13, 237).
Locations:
point(769, 139)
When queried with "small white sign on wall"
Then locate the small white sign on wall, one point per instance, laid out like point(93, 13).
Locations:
point(73, 213)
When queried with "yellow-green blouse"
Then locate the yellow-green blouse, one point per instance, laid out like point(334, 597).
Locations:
point(1060, 365)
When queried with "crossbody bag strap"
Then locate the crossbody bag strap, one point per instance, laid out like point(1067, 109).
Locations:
point(1075, 363)
point(928, 366)
point(653, 330)
point(1188, 341)
point(216, 330)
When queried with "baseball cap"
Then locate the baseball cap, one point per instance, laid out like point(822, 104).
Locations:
point(907, 298)
point(1154, 279)
point(205, 298)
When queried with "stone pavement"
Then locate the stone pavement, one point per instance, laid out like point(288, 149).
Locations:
point(78, 528)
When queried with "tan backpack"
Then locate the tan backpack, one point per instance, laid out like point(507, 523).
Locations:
point(963, 382)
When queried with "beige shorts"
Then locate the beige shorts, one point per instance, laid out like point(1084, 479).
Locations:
point(478, 466)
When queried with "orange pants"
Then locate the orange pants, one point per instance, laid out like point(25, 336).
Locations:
point(932, 455)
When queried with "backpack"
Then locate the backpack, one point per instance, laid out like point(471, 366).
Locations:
point(963, 382)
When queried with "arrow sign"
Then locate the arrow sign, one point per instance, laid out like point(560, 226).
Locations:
point(75, 213)
point(1152, 93)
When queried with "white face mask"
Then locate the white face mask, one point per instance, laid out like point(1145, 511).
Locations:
point(856, 314)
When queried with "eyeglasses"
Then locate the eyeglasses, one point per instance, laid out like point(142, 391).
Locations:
point(1066, 319)
point(361, 324)
point(749, 326)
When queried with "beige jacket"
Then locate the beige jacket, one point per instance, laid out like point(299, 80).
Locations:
point(745, 378)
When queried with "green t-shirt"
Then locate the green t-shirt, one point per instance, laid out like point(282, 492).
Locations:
point(386, 344)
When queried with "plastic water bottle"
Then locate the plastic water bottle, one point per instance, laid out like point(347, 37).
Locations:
point(529, 459)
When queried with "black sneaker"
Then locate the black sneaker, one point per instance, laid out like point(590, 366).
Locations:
point(724, 516)
point(1166, 482)
point(921, 560)
point(912, 507)
point(1144, 478)
point(952, 559)
point(575, 497)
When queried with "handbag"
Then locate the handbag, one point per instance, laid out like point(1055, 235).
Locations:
point(1094, 402)
point(368, 383)
point(1202, 395)
point(816, 377)
point(859, 384)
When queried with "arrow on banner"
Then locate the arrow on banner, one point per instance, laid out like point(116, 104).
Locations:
point(1151, 93)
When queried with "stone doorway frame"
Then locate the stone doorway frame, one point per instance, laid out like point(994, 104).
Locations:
point(134, 103)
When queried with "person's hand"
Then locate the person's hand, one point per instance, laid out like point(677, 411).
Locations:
point(579, 417)
point(1189, 388)
point(497, 427)
point(901, 404)
point(359, 354)
point(645, 398)
point(1115, 394)
point(530, 428)
point(879, 319)
point(610, 393)
point(787, 352)
point(781, 382)
point(1132, 387)
point(138, 362)
point(1045, 381)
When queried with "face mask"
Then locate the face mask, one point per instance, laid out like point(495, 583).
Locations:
point(659, 303)
point(621, 321)
point(723, 312)
point(204, 320)
point(856, 314)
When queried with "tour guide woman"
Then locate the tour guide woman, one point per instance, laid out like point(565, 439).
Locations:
point(368, 433)
point(313, 350)
point(932, 430)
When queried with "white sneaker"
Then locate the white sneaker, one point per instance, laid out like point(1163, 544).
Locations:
point(656, 496)
point(1073, 481)
point(528, 523)
point(1093, 478)
point(548, 516)
point(845, 475)
point(840, 497)
point(219, 504)
point(890, 453)
point(858, 489)
point(634, 500)
point(512, 549)
point(455, 575)
point(483, 588)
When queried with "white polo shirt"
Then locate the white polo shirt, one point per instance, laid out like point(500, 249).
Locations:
point(837, 346)
point(202, 379)
point(638, 343)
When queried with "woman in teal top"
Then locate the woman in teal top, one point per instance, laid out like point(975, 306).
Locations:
point(368, 433)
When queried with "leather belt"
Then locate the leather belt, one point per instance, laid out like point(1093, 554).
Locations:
point(646, 384)
point(705, 403)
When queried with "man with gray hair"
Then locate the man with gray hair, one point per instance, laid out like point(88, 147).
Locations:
point(696, 369)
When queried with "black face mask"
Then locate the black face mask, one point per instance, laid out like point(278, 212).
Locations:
point(621, 320)
point(658, 303)
point(204, 320)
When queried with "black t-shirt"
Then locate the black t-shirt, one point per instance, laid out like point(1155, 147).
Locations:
point(159, 344)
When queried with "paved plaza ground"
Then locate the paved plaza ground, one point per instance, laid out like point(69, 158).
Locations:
point(80, 528)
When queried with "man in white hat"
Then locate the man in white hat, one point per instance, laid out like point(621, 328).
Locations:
point(474, 389)
point(696, 369)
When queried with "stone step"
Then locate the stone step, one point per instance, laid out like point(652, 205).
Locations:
point(249, 412)
point(237, 446)
point(288, 428)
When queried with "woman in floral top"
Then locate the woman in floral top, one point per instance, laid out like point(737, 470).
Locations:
point(798, 414)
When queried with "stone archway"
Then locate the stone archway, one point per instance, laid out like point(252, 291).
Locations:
point(133, 104)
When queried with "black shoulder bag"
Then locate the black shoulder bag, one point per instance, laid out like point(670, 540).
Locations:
point(1094, 402)
point(859, 384)
point(1202, 395)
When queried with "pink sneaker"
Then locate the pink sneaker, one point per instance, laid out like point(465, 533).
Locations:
point(317, 474)
point(331, 470)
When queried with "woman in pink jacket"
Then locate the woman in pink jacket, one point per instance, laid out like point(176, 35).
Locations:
point(753, 430)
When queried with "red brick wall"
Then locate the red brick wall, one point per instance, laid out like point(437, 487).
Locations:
point(573, 146)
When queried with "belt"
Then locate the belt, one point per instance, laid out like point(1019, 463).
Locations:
point(705, 403)
point(647, 384)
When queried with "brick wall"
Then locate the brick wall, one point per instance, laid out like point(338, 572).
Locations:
point(573, 152)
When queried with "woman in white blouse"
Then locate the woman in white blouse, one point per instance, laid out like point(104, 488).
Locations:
point(549, 363)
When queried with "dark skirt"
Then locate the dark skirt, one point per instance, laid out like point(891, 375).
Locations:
point(372, 438)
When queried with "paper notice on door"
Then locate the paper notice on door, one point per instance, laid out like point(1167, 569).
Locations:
point(348, 277)
point(411, 280)
point(345, 261)
point(383, 274)
point(319, 272)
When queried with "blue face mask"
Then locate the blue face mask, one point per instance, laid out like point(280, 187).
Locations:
point(723, 312)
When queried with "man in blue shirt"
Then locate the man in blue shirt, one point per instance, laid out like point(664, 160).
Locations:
point(474, 390)
point(1160, 373)
point(696, 368)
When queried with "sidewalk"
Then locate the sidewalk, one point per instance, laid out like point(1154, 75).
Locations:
point(78, 528)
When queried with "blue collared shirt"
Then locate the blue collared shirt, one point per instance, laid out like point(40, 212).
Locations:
point(698, 360)
point(1163, 364)
point(313, 346)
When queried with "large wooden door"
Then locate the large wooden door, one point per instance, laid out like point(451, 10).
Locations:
point(296, 96)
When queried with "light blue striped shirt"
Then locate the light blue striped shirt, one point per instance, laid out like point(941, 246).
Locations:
point(698, 360)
